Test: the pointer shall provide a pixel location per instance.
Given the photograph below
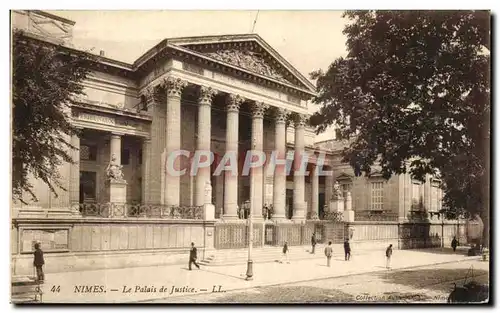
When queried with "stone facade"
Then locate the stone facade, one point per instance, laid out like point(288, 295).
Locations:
point(227, 94)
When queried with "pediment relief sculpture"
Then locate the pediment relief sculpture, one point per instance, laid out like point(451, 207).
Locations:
point(249, 60)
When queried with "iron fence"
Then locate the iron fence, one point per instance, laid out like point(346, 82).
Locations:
point(124, 210)
point(378, 217)
point(233, 236)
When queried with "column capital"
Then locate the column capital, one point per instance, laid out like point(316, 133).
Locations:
point(258, 109)
point(234, 102)
point(301, 120)
point(174, 86)
point(206, 95)
point(116, 135)
point(281, 115)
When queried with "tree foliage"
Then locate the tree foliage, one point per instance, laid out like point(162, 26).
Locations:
point(413, 95)
point(45, 79)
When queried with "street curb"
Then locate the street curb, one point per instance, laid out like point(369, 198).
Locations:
point(312, 279)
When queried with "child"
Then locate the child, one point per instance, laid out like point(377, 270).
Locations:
point(38, 263)
point(285, 253)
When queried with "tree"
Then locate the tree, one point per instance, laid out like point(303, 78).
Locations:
point(46, 77)
point(413, 95)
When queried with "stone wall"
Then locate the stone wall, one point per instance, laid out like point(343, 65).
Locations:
point(72, 244)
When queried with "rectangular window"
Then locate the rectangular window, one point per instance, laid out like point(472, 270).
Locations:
point(437, 196)
point(88, 187)
point(88, 152)
point(139, 157)
point(125, 156)
point(377, 196)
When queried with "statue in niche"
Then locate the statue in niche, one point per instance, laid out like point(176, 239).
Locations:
point(337, 192)
point(114, 170)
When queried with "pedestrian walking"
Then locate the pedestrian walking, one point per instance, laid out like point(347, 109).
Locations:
point(388, 255)
point(313, 243)
point(328, 253)
point(284, 256)
point(347, 250)
point(454, 244)
point(38, 262)
point(193, 255)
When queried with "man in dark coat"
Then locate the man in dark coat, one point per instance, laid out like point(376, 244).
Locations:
point(193, 255)
point(38, 262)
point(347, 250)
point(313, 243)
point(454, 244)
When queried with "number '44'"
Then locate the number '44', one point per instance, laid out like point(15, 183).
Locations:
point(55, 289)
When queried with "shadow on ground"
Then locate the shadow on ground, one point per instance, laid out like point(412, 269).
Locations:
point(299, 294)
point(459, 251)
point(440, 279)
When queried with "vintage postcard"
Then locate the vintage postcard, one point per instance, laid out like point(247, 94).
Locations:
point(250, 156)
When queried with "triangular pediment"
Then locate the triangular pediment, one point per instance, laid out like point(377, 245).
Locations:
point(248, 52)
point(344, 176)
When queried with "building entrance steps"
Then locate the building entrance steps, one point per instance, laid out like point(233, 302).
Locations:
point(267, 254)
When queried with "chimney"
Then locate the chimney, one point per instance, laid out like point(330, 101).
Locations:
point(101, 53)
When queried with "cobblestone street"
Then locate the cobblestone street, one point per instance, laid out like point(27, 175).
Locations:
point(424, 284)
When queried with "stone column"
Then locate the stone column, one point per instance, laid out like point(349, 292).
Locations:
point(299, 206)
point(427, 194)
point(117, 186)
point(231, 177)
point(174, 88)
point(328, 188)
point(74, 174)
point(315, 194)
point(146, 170)
point(257, 178)
point(279, 183)
point(116, 148)
point(156, 101)
point(203, 142)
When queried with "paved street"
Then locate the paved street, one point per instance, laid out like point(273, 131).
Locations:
point(174, 283)
point(423, 284)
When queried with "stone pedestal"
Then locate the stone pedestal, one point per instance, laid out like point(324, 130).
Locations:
point(208, 207)
point(208, 212)
point(117, 192)
point(348, 216)
point(337, 205)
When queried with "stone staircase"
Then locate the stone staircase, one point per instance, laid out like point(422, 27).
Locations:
point(266, 254)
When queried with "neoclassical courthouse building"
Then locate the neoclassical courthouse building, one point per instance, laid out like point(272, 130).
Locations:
point(230, 93)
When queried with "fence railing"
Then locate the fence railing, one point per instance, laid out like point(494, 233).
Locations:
point(125, 210)
point(232, 236)
point(235, 235)
point(372, 216)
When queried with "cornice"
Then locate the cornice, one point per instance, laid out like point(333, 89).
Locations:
point(110, 110)
point(236, 68)
point(165, 49)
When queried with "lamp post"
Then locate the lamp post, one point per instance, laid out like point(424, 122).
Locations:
point(250, 224)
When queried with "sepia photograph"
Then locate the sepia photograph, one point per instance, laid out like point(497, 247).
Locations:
point(250, 156)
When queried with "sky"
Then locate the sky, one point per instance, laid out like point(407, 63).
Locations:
point(309, 40)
